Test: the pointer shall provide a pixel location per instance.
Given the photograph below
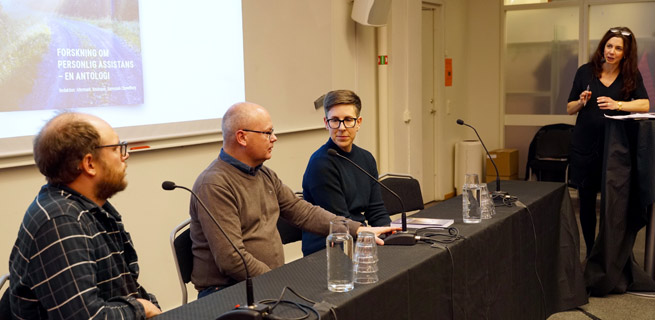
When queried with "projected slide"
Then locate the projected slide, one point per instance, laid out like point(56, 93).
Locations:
point(67, 54)
point(153, 69)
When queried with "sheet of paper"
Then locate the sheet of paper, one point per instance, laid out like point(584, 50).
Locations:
point(635, 116)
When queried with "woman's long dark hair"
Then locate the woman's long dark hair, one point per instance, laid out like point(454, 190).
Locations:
point(628, 65)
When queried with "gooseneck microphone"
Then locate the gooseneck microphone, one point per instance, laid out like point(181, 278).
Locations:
point(496, 194)
point(404, 237)
point(251, 311)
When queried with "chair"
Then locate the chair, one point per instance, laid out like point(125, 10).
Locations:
point(5, 310)
point(289, 233)
point(407, 188)
point(182, 254)
point(548, 155)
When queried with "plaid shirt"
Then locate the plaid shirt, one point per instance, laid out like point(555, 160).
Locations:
point(74, 260)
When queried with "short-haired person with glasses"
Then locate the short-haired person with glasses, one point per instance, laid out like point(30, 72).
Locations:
point(336, 185)
point(611, 84)
point(246, 198)
point(73, 258)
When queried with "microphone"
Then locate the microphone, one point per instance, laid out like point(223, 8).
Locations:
point(496, 194)
point(404, 237)
point(251, 311)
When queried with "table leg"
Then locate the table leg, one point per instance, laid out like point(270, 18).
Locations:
point(649, 255)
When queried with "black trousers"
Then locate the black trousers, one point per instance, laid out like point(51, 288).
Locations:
point(587, 197)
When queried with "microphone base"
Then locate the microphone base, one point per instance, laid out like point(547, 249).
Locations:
point(256, 312)
point(499, 196)
point(400, 238)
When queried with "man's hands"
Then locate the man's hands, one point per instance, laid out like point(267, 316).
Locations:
point(149, 307)
point(378, 231)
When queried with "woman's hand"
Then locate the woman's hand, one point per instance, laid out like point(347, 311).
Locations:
point(574, 106)
point(584, 97)
point(607, 103)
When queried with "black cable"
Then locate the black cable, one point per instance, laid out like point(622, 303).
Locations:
point(434, 235)
point(301, 307)
point(298, 306)
point(297, 295)
point(534, 233)
point(452, 276)
point(334, 313)
point(428, 235)
point(588, 314)
point(506, 200)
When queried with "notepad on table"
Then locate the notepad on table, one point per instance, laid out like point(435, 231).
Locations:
point(417, 223)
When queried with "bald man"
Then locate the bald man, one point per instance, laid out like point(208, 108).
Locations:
point(247, 198)
point(73, 258)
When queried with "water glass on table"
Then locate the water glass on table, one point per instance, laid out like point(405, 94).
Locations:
point(486, 203)
point(365, 264)
point(471, 199)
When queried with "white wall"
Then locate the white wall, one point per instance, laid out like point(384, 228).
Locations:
point(295, 51)
point(472, 41)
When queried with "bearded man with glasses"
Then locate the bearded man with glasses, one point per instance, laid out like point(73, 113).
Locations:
point(338, 186)
point(73, 258)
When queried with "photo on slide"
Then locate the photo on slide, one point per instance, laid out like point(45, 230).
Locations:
point(61, 54)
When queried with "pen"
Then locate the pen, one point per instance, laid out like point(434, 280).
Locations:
point(585, 103)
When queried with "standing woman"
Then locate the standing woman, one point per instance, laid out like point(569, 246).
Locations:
point(609, 84)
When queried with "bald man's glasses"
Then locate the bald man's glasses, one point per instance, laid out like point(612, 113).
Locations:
point(122, 144)
point(267, 133)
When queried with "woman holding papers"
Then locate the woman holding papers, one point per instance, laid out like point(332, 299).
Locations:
point(611, 84)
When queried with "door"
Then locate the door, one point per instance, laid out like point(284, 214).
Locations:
point(432, 76)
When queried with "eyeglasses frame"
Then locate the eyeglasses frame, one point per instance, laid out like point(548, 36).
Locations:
point(122, 144)
point(269, 133)
point(342, 122)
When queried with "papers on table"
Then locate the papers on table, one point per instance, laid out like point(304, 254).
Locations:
point(417, 223)
point(634, 116)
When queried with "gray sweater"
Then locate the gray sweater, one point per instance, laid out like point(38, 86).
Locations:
point(247, 207)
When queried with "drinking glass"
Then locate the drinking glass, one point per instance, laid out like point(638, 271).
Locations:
point(366, 258)
point(339, 250)
point(486, 203)
point(471, 200)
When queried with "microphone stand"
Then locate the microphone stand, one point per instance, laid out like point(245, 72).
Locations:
point(252, 310)
point(498, 194)
point(402, 238)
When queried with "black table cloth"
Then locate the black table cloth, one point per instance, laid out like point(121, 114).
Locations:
point(628, 190)
point(500, 270)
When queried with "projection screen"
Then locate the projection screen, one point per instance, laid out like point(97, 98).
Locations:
point(154, 69)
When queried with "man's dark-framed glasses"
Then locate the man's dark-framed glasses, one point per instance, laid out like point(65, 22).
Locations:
point(623, 32)
point(122, 144)
point(334, 123)
point(267, 133)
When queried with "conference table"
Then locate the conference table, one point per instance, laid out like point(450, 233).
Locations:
point(524, 263)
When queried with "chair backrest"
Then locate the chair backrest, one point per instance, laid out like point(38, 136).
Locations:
point(5, 310)
point(548, 153)
point(553, 141)
point(407, 188)
point(182, 254)
point(289, 233)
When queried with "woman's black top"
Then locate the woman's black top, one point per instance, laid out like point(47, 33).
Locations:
point(589, 133)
